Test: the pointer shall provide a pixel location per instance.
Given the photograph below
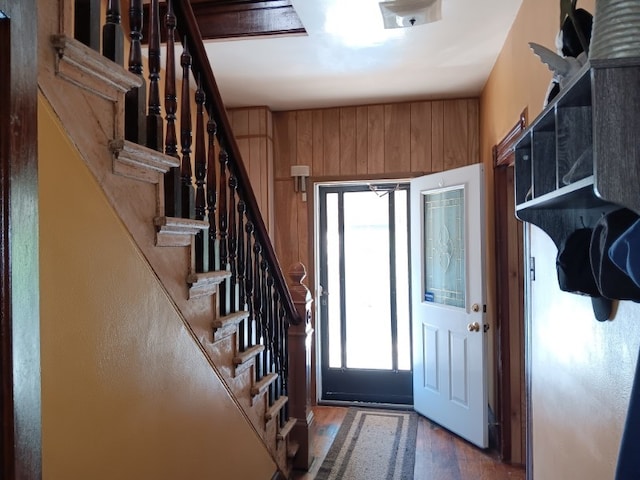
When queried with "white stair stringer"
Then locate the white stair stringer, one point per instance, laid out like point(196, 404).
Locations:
point(130, 176)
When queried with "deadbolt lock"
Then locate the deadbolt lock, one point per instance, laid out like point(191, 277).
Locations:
point(475, 307)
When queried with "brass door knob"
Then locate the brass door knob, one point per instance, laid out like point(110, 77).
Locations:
point(473, 327)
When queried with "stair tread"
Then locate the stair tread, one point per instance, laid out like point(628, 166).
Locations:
point(284, 431)
point(262, 385)
point(86, 68)
point(140, 162)
point(231, 319)
point(222, 333)
point(246, 356)
point(177, 232)
point(205, 284)
point(273, 410)
point(181, 223)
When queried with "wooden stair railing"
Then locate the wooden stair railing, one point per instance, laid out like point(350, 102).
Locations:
point(220, 195)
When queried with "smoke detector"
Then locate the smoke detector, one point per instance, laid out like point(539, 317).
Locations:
point(409, 13)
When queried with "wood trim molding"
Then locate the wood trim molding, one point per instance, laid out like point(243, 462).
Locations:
point(245, 18)
point(508, 291)
point(19, 282)
point(503, 151)
point(6, 420)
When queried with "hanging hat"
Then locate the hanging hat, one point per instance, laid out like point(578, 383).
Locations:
point(612, 282)
point(575, 274)
point(625, 252)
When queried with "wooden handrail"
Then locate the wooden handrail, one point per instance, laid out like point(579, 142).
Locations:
point(188, 26)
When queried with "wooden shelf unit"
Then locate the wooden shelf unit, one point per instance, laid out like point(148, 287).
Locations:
point(595, 121)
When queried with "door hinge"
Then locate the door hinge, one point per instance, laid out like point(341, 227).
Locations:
point(532, 268)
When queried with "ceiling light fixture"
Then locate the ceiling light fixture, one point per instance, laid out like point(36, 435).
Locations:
point(409, 13)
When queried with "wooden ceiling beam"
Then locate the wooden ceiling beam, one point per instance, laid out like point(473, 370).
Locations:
point(246, 18)
point(218, 19)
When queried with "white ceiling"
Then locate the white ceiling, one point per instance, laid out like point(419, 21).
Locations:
point(348, 58)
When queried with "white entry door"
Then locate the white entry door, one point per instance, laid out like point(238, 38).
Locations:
point(448, 301)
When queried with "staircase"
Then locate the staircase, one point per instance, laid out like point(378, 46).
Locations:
point(202, 234)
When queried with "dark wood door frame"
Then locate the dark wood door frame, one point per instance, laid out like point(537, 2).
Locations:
point(20, 453)
point(509, 299)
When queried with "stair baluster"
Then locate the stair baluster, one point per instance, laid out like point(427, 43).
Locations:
point(264, 316)
point(136, 98)
point(212, 196)
point(248, 282)
point(283, 356)
point(155, 124)
point(242, 305)
point(257, 303)
point(202, 252)
point(112, 34)
point(233, 242)
point(186, 174)
point(270, 350)
point(277, 347)
point(285, 365)
point(223, 213)
point(172, 197)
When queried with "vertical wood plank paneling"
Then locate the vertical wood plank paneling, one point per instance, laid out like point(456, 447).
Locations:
point(264, 177)
point(240, 122)
point(331, 136)
point(286, 232)
point(318, 143)
point(281, 143)
point(348, 141)
point(304, 139)
point(270, 173)
point(437, 136)
point(270, 194)
point(421, 137)
point(245, 151)
point(375, 116)
point(397, 137)
point(292, 129)
point(473, 117)
point(253, 163)
point(456, 134)
point(362, 151)
point(257, 121)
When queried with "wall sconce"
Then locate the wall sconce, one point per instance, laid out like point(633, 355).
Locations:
point(300, 174)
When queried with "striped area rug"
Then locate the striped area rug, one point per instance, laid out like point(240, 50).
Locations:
point(372, 445)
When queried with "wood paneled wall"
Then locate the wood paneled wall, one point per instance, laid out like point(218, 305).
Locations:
point(390, 141)
point(398, 140)
point(253, 129)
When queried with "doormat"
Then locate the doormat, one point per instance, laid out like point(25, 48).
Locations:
point(372, 445)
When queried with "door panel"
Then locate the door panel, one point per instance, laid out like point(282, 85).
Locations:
point(448, 298)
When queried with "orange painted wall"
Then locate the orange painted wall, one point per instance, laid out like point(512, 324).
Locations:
point(126, 391)
point(582, 370)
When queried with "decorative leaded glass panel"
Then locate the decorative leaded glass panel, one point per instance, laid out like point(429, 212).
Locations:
point(444, 255)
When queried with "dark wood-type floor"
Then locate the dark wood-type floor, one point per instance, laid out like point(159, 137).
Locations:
point(439, 454)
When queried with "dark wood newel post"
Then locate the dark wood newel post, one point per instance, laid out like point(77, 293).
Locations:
point(300, 338)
